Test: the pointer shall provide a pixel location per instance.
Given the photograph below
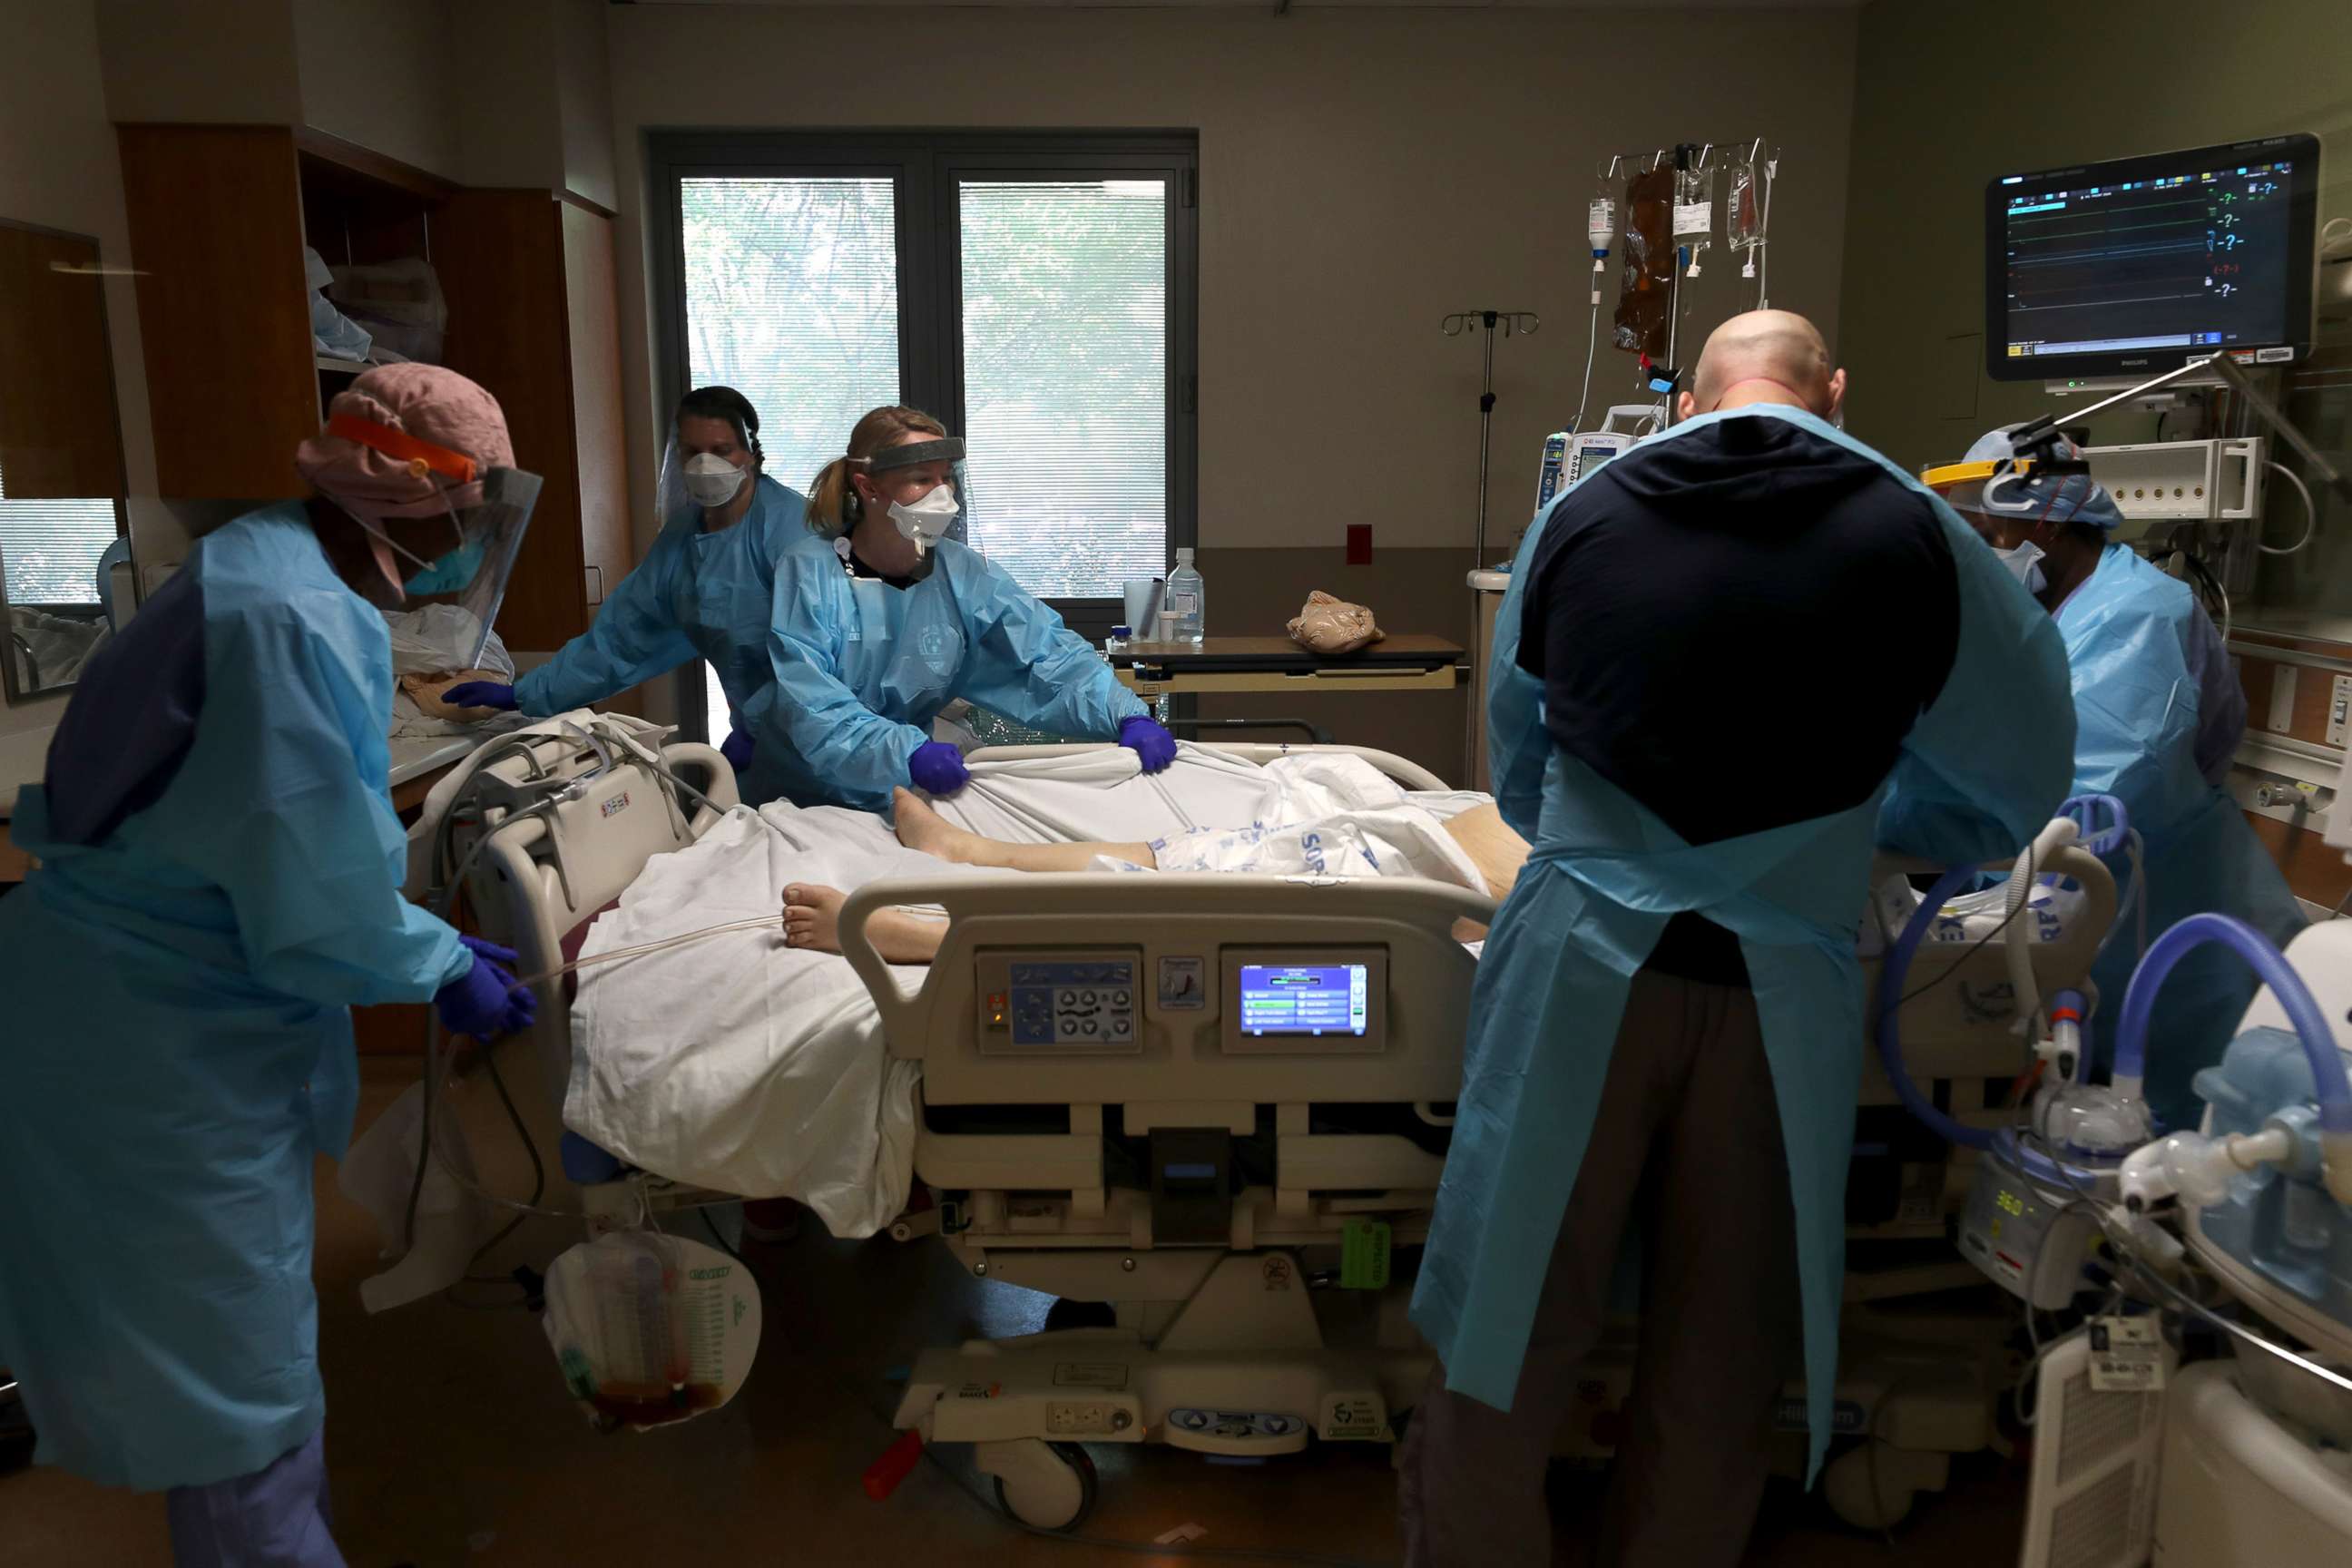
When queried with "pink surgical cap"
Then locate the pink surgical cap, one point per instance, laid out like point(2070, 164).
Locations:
point(424, 401)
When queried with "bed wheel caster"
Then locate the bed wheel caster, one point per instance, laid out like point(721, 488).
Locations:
point(1876, 1491)
point(1047, 1486)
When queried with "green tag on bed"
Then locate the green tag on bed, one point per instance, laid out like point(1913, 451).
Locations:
point(1364, 1255)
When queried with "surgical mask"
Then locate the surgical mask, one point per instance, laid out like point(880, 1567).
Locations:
point(711, 481)
point(2023, 563)
point(927, 520)
point(444, 573)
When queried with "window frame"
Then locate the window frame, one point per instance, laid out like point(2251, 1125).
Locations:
point(925, 168)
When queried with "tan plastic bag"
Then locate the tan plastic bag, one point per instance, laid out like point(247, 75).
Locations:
point(1329, 626)
point(426, 690)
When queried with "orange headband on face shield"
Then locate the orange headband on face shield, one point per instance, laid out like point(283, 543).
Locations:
point(420, 455)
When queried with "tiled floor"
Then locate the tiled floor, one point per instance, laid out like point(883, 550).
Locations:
point(452, 1444)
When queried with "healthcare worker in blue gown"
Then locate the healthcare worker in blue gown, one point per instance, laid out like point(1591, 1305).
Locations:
point(705, 590)
point(883, 618)
point(1729, 663)
point(2158, 714)
point(218, 884)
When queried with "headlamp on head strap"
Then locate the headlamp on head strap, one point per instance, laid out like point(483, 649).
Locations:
point(946, 450)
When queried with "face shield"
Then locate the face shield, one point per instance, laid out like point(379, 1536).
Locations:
point(942, 513)
point(457, 542)
point(2053, 485)
point(692, 482)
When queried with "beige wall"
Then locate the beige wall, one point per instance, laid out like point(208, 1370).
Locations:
point(219, 61)
point(1942, 105)
point(1363, 173)
point(585, 100)
point(548, 123)
point(386, 74)
point(58, 168)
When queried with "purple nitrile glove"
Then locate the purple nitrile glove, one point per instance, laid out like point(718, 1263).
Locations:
point(937, 768)
point(736, 750)
point(480, 694)
point(1149, 740)
point(485, 1001)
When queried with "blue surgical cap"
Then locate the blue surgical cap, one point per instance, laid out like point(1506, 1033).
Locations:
point(2060, 498)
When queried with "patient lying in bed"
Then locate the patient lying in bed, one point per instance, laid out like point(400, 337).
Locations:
point(745, 1065)
point(1487, 858)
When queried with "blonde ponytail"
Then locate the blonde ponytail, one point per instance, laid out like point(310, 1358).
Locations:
point(829, 496)
point(828, 514)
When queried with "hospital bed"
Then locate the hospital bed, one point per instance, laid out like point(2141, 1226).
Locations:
point(1129, 1115)
point(1118, 1109)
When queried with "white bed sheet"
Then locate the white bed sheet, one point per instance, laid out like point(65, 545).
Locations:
point(741, 1064)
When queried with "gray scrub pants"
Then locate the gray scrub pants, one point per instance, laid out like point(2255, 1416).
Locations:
point(1687, 1145)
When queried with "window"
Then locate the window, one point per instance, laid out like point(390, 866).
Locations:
point(1036, 292)
point(50, 548)
point(792, 298)
point(1064, 344)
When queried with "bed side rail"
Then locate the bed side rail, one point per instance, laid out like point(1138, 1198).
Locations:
point(1408, 774)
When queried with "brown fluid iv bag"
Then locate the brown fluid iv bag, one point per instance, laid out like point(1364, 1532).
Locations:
point(1648, 247)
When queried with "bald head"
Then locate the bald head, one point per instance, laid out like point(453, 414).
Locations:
point(1764, 356)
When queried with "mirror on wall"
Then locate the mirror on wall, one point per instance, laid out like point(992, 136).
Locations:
point(64, 553)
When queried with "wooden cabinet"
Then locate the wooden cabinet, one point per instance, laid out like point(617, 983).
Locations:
point(59, 436)
point(215, 215)
point(220, 215)
point(548, 266)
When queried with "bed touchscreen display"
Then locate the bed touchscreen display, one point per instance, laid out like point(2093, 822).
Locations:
point(1305, 999)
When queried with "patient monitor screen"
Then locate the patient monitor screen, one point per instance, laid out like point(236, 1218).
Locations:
point(1305, 999)
point(2135, 265)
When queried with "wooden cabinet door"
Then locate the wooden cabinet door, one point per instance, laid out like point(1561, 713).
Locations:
point(216, 214)
point(499, 255)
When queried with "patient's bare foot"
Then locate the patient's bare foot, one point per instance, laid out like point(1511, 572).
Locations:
point(812, 917)
point(919, 827)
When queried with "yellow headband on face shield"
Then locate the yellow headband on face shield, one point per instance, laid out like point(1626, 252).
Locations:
point(1946, 475)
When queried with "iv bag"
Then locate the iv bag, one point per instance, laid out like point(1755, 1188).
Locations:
point(1648, 255)
point(1695, 212)
point(1744, 208)
point(1601, 219)
point(1748, 212)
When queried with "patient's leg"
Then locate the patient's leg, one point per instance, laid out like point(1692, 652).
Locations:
point(920, 828)
point(1498, 853)
point(813, 920)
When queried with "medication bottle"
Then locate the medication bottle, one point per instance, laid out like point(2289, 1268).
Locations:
point(1186, 599)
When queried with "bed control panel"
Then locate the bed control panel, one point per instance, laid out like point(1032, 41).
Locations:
point(1060, 1001)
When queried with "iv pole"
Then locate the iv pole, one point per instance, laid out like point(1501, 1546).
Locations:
point(1524, 322)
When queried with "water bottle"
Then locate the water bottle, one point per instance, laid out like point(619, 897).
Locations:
point(1186, 599)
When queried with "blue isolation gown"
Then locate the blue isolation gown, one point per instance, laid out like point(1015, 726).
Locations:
point(219, 881)
point(862, 668)
point(1982, 770)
